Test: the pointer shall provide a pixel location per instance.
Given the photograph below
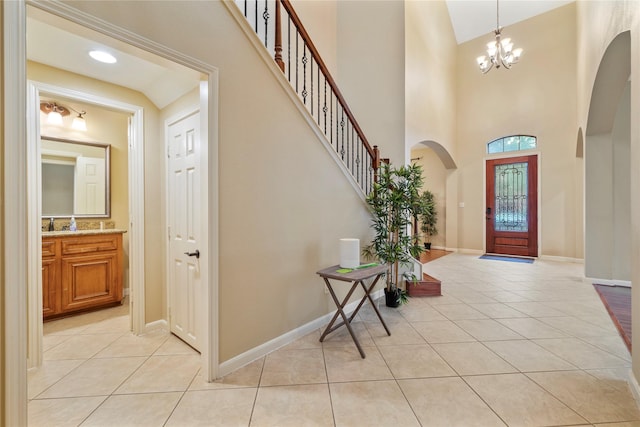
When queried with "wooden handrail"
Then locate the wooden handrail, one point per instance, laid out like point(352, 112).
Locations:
point(325, 71)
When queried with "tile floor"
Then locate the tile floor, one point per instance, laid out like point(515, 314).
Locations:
point(507, 344)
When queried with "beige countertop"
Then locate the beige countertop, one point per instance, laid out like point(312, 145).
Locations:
point(81, 232)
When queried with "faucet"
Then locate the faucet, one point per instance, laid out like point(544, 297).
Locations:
point(51, 225)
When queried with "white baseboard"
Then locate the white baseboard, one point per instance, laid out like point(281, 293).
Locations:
point(154, 326)
point(262, 350)
point(561, 259)
point(635, 388)
point(609, 282)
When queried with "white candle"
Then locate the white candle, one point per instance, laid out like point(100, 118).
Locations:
point(349, 253)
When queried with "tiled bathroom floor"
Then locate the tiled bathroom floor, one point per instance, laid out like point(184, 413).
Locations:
point(507, 344)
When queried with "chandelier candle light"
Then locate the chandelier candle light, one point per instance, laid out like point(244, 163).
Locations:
point(499, 52)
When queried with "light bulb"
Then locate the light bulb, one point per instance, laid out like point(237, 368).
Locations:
point(54, 118)
point(517, 53)
point(79, 123)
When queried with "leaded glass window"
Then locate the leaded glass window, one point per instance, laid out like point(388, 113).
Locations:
point(511, 204)
point(512, 143)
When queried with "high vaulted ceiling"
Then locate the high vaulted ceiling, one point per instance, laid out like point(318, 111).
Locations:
point(61, 44)
point(474, 18)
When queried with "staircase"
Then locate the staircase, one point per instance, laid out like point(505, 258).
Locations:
point(281, 32)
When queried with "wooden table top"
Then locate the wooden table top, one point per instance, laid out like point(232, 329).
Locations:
point(358, 274)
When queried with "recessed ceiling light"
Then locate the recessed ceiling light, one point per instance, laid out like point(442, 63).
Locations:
point(102, 56)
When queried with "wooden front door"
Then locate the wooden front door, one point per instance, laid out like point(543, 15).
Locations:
point(512, 206)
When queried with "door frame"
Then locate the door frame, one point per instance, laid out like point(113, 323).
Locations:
point(510, 155)
point(201, 319)
point(13, 372)
point(34, 195)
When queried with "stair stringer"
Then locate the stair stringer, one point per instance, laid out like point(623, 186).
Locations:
point(291, 93)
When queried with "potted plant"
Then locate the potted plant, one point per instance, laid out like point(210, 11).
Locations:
point(393, 201)
point(428, 217)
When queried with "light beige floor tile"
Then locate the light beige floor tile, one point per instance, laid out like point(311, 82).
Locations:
point(505, 296)
point(624, 424)
point(389, 314)
point(535, 309)
point(139, 410)
point(50, 341)
point(132, 345)
point(371, 403)
point(442, 332)
point(162, 373)
point(472, 359)
point(521, 402)
point(51, 371)
point(592, 399)
point(498, 310)
point(345, 364)
point(473, 297)
point(532, 328)
point(221, 408)
point(420, 312)
point(95, 377)
point(247, 376)
point(174, 346)
point(459, 312)
point(341, 337)
point(616, 377)
point(528, 356)
point(447, 402)
point(611, 344)
point(415, 361)
point(576, 327)
point(299, 405)
point(61, 412)
point(311, 340)
point(487, 330)
point(401, 334)
point(110, 325)
point(581, 354)
point(80, 346)
point(287, 367)
point(443, 299)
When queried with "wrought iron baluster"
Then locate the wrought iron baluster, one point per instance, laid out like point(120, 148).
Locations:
point(324, 109)
point(265, 16)
point(304, 74)
point(288, 47)
point(311, 86)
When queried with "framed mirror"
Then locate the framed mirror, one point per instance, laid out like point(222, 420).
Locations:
point(75, 178)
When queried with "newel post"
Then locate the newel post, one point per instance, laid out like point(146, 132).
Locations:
point(376, 162)
point(278, 39)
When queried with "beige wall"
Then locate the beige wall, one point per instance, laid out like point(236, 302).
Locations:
point(371, 55)
point(284, 203)
point(534, 98)
point(430, 74)
point(594, 36)
point(435, 180)
point(320, 19)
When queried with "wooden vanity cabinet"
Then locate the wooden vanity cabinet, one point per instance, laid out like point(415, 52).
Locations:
point(80, 272)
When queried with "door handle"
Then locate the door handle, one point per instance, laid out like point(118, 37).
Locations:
point(195, 254)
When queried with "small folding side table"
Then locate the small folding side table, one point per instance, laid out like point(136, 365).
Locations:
point(355, 277)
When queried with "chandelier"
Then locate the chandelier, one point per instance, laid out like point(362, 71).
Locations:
point(499, 52)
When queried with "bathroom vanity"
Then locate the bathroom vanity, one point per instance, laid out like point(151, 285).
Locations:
point(81, 270)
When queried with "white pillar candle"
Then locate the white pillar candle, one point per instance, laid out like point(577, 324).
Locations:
point(349, 253)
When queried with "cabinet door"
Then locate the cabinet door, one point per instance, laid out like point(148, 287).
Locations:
point(90, 280)
point(49, 285)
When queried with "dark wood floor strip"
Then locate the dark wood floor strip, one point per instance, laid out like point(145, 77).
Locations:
point(617, 300)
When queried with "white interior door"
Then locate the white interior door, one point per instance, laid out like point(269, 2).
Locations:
point(90, 185)
point(184, 281)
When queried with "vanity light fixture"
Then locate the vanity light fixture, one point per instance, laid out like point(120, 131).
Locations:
point(55, 112)
point(102, 56)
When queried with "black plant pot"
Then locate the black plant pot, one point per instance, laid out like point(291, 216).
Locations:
point(392, 297)
point(427, 245)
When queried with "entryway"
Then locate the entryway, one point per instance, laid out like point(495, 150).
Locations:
point(512, 206)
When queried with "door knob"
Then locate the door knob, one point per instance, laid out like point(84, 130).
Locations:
point(195, 254)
